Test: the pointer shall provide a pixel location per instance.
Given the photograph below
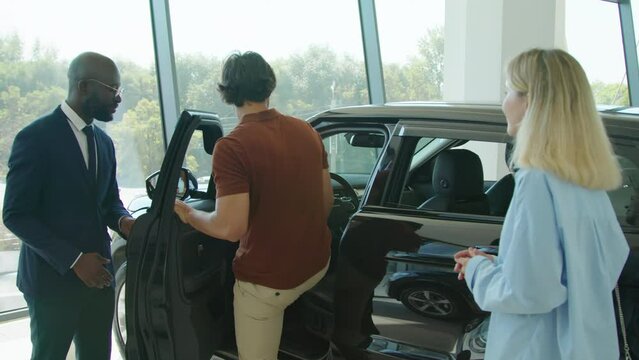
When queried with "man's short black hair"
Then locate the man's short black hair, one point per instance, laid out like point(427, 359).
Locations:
point(246, 77)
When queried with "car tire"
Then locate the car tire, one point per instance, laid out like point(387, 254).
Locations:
point(433, 302)
point(119, 319)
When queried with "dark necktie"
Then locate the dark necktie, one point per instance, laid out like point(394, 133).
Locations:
point(88, 130)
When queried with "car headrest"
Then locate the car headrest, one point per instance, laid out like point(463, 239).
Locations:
point(459, 173)
point(210, 135)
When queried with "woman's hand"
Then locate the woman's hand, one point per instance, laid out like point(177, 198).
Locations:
point(182, 210)
point(462, 257)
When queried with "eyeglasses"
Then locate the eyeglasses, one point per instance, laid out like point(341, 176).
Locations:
point(116, 91)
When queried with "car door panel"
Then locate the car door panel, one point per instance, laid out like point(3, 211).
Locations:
point(384, 239)
point(387, 249)
point(176, 303)
point(183, 280)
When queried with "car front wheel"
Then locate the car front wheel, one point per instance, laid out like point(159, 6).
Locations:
point(432, 302)
point(119, 320)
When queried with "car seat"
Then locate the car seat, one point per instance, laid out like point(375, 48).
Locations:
point(501, 192)
point(458, 181)
point(419, 186)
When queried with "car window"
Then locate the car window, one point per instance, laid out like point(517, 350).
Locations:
point(625, 199)
point(475, 167)
point(352, 160)
point(492, 156)
point(420, 193)
point(198, 161)
point(422, 144)
point(426, 147)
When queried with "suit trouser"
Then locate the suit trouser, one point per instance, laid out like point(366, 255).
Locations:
point(259, 316)
point(84, 317)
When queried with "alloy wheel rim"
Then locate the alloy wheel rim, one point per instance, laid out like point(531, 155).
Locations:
point(430, 302)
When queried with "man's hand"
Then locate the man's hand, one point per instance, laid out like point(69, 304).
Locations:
point(126, 225)
point(90, 269)
point(182, 210)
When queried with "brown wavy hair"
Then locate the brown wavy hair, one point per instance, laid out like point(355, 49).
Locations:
point(246, 77)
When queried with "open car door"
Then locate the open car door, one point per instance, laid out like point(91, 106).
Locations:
point(179, 282)
point(176, 305)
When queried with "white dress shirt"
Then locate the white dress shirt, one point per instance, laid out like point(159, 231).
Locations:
point(77, 125)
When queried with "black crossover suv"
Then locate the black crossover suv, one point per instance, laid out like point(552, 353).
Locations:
point(390, 292)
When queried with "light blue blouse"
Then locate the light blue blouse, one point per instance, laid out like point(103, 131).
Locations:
point(550, 289)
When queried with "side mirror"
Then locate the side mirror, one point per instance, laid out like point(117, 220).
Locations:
point(151, 183)
point(186, 184)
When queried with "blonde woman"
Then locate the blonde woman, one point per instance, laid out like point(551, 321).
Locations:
point(562, 249)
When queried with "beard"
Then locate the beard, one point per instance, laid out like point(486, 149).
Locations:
point(104, 117)
point(97, 109)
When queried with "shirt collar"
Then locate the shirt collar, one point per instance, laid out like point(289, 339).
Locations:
point(261, 116)
point(73, 117)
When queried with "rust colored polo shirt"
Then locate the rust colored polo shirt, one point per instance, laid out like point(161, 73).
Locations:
point(278, 160)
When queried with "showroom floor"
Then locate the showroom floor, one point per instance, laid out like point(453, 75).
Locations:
point(392, 319)
point(16, 345)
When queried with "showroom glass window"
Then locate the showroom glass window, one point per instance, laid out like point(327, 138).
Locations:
point(635, 20)
point(593, 37)
point(37, 41)
point(411, 41)
point(314, 47)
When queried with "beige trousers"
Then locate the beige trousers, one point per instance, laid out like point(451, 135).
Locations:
point(259, 316)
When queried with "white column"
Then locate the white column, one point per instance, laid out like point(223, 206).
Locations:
point(482, 36)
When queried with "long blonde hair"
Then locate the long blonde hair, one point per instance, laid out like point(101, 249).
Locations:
point(561, 131)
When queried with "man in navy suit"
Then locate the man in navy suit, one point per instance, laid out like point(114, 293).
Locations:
point(61, 195)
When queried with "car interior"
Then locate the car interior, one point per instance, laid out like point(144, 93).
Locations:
point(500, 193)
point(446, 177)
point(458, 184)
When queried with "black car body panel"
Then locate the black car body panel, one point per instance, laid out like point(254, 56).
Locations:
point(385, 242)
point(173, 273)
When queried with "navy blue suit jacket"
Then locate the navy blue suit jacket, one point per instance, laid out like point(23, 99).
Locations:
point(51, 204)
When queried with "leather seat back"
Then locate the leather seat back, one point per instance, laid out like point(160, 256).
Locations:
point(458, 181)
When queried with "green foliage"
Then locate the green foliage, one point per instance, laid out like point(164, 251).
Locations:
point(28, 89)
point(197, 78)
point(610, 94)
point(139, 83)
point(316, 79)
point(10, 49)
point(196, 159)
point(422, 78)
point(138, 143)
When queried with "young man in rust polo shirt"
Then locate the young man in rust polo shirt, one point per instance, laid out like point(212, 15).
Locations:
point(273, 196)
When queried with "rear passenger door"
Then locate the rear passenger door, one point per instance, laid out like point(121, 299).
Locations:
point(400, 250)
point(422, 174)
point(625, 202)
